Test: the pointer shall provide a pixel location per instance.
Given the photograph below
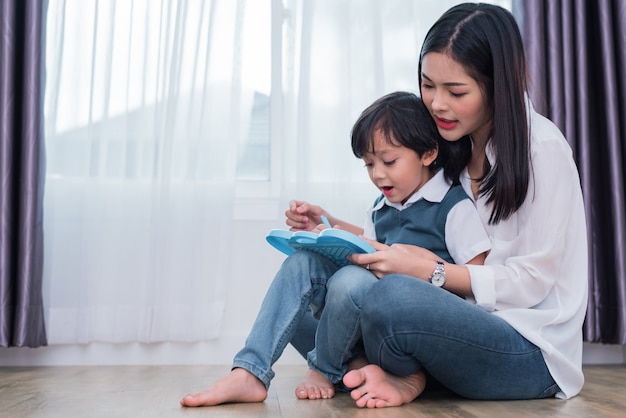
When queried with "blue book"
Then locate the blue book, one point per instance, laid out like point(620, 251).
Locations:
point(335, 244)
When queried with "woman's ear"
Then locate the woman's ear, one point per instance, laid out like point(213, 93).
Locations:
point(430, 156)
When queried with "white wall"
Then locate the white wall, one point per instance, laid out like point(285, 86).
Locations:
point(253, 269)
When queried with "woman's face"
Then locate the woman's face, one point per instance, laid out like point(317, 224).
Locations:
point(455, 99)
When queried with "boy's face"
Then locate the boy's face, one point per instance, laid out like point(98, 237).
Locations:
point(397, 171)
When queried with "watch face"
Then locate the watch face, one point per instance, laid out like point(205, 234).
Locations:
point(438, 279)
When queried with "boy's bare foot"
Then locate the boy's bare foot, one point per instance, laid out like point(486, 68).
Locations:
point(315, 386)
point(238, 386)
point(374, 388)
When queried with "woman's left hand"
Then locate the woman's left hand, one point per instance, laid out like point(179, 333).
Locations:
point(396, 259)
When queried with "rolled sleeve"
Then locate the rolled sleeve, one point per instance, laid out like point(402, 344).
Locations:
point(483, 286)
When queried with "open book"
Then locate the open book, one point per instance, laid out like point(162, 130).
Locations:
point(335, 244)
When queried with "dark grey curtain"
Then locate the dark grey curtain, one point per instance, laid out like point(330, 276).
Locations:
point(577, 55)
point(21, 172)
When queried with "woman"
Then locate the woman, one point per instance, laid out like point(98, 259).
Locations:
point(516, 334)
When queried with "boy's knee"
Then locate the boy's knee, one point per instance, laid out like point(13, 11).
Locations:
point(394, 293)
point(350, 284)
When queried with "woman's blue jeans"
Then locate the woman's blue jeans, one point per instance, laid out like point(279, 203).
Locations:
point(316, 307)
point(409, 325)
point(405, 325)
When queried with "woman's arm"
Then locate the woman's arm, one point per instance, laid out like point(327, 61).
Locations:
point(417, 262)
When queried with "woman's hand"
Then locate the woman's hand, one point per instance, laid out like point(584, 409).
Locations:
point(397, 259)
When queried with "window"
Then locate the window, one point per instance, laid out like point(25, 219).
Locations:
point(116, 69)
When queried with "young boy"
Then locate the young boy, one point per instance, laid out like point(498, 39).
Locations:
point(419, 205)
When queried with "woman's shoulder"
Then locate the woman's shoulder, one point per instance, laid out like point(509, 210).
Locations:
point(542, 128)
point(550, 153)
point(544, 134)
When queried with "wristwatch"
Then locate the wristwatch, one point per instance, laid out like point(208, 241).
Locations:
point(438, 277)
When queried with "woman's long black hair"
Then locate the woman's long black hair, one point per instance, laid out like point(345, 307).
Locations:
point(486, 41)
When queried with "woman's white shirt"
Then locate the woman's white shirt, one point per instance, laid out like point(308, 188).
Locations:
point(536, 275)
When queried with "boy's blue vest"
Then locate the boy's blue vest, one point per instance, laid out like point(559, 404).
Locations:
point(422, 224)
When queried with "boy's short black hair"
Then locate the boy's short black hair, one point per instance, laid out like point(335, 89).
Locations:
point(403, 119)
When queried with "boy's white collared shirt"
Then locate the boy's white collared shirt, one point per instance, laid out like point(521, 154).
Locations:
point(462, 217)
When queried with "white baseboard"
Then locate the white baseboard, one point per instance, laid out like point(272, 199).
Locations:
point(206, 353)
point(604, 354)
point(99, 354)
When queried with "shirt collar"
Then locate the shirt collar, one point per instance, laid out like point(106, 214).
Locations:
point(434, 191)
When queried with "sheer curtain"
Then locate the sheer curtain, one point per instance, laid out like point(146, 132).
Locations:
point(340, 56)
point(144, 105)
point(147, 102)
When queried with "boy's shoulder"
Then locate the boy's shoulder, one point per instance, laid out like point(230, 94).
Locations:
point(456, 193)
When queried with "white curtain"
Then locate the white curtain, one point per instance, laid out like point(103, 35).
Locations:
point(146, 103)
point(141, 169)
point(339, 57)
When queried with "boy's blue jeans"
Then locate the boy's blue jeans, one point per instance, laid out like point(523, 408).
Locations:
point(311, 304)
point(405, 324)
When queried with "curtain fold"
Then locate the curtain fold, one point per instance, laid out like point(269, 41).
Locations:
point(21, 173)
point(577, 55)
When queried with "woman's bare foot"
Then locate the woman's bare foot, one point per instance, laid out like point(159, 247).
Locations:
point(374, 388)
point(315, 386)
point(238, 386)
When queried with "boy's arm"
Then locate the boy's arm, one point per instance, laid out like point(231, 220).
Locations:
point(346, 226)
point(304, 216)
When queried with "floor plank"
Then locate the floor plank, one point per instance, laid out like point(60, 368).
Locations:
point(154, 391)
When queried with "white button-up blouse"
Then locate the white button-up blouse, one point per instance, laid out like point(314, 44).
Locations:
point(536, 275)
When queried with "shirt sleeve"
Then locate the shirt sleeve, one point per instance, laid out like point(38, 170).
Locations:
point(368, 226)
point(473, 240)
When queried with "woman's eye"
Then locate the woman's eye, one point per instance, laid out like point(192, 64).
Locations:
point(457, 94)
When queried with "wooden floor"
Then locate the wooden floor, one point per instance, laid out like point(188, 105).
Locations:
point(154, 391)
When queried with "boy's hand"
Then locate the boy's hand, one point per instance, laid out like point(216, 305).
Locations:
point(303, 216)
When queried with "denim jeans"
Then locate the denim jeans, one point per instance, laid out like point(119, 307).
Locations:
point(296, 309)
point(409, 325)
point(338, 337)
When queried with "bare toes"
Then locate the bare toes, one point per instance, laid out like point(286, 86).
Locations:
point(315, 386)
